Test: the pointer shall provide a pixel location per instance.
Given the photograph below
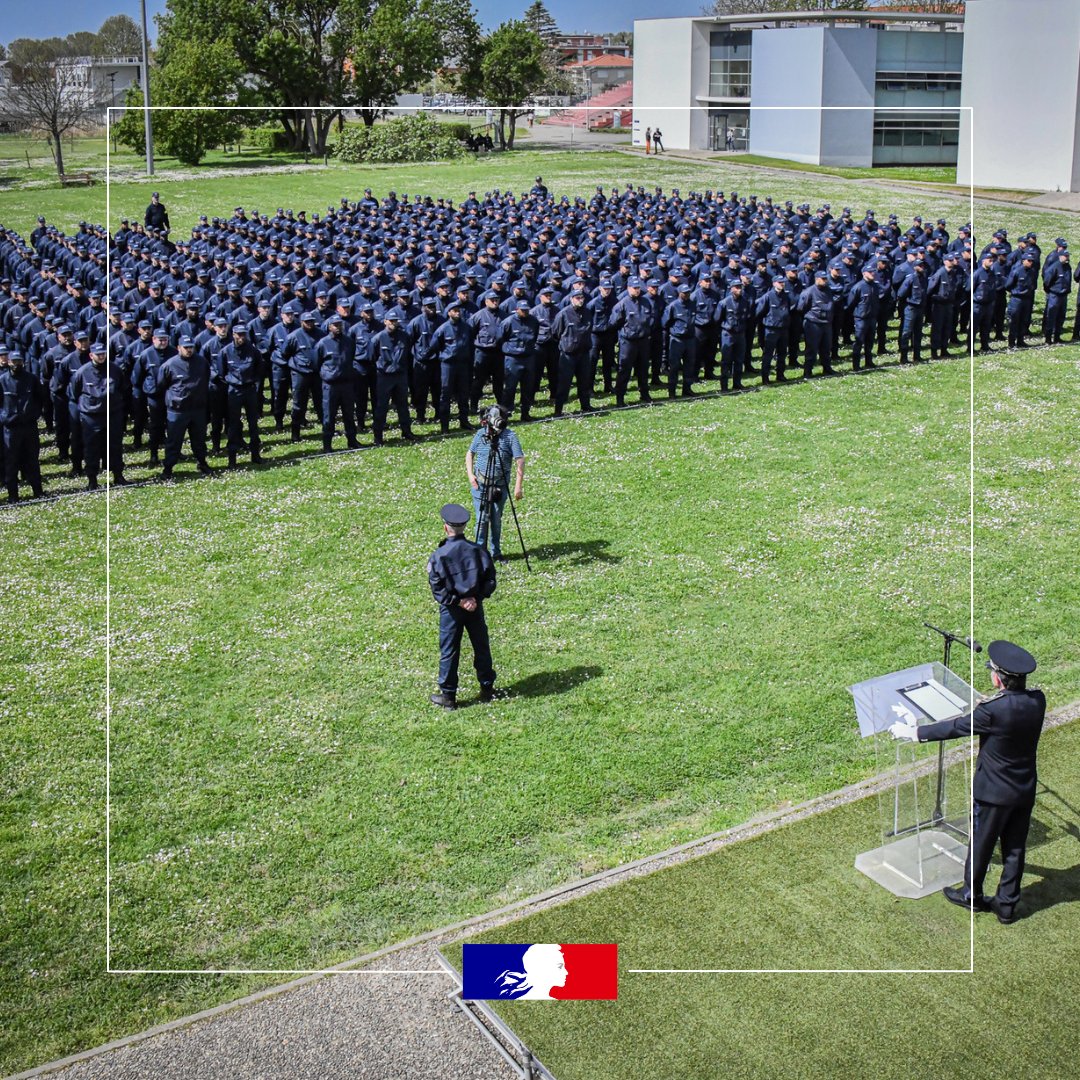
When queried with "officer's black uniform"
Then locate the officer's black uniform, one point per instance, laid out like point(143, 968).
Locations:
point(1008, 726)
point(457, 570)
point(156, 216)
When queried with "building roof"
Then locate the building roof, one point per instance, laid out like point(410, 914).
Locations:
point(836, 16)
point(608, 60)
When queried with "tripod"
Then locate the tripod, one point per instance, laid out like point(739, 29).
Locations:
point(489, 488)
point(938, 816)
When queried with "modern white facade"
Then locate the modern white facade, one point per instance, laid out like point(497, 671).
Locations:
point(774, 85)
point(1026, 129)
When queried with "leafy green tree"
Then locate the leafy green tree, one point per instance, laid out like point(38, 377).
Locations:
point(119, 35)
point(540, 21)
point(196, 75)
point(513, 69)
point(305, 55)
point(291, 52)
point(397, 45)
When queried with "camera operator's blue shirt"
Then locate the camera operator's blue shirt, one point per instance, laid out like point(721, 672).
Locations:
point(509, 451)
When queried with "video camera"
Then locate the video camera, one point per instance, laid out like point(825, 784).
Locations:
point(493, 420)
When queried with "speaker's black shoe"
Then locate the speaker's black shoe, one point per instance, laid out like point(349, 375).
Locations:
point(446, 701)
point(487, 693)
point(1004, 915)
point(955, 895)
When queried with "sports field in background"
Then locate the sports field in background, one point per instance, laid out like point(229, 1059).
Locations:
point(707, 578)
point(793, 898)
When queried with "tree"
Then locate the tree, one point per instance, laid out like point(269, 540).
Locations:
point(196, 74)
point(119, 35)
point(513, 69)
point(306, 54)
point(292, 53)
point(539, 20)
point(397, 45)
point(47, 94)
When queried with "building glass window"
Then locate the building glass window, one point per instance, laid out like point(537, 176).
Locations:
point(729, 64)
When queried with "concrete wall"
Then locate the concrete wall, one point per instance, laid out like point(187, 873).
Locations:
point(663, 90)
point(786, 70)
point(849, 70)
point(1025, 130)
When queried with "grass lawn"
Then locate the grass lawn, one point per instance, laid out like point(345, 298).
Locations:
point(929, 174)
point(215, 191)
point(707, 578)
point(794, 896)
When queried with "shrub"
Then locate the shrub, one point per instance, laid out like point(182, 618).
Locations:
point(408, 138)
point(268, 138)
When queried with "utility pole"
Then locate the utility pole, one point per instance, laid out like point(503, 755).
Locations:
point(147, 125)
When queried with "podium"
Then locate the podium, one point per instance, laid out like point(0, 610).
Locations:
point(924, 814)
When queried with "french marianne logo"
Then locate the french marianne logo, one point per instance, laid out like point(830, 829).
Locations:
point(540, 972)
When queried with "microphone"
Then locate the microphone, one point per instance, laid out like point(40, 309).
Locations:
point(972, 644)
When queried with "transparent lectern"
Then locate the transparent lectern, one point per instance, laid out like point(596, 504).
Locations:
point(924, 813)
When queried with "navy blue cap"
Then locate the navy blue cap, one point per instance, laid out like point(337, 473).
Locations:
point(187, 342)
point(1009, 658)
point(522, 305)
point(145, 324)
point(454, 514)
point(221, 321)
point(239, 328)
point(393, 315)
point(97, 348)
point(684, 288)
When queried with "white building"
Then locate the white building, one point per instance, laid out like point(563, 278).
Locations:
point(1026, 128)
point(696, 78)
point(100, 80)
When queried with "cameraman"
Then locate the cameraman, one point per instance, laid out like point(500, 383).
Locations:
point(495, 436)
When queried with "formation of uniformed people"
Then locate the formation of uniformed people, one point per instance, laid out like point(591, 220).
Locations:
point(420, 305)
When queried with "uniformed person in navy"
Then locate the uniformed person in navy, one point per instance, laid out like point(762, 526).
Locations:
point(1008, 726)
point(462, 577)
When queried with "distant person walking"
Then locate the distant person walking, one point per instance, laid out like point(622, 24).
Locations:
point(648, 141)
point(729, 140)
point(658, 144)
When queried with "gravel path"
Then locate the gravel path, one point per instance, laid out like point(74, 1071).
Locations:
point(383, 1027)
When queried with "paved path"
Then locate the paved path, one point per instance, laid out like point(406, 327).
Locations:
point(382, 1027)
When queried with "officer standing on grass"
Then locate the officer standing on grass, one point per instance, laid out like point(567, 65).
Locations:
point(156, 216)
point(462, 577)
point(185, 383)
point(1008, 726)
point(21, 399)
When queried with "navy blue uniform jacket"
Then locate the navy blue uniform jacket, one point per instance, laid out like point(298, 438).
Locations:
point(1008, 727)
point(460, 568)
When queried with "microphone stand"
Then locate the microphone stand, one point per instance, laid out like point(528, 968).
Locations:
point(938, 816)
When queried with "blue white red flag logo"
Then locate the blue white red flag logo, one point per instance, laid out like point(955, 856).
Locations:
point(540, 972)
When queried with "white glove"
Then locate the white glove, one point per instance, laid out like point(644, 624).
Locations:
point(908, 732)
point(904, 713)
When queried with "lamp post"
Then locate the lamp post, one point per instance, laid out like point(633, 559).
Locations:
point(148, 128)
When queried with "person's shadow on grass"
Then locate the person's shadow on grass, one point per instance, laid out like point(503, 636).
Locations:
point(576, 552)
point(1054, 887)
point(546, 683)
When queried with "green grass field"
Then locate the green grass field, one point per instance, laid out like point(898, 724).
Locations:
point(708, 576)
point(792, 898)
point(931, 174)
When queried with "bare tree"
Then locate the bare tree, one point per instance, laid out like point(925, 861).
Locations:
point(52, 95)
